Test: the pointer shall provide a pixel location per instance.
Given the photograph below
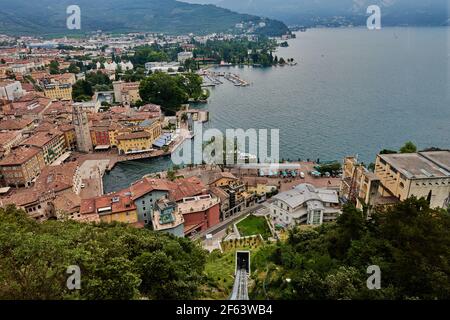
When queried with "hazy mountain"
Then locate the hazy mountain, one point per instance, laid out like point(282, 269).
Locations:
point(170, 16)
point(310, 12)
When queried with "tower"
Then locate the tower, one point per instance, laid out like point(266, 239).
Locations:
point(83, 134)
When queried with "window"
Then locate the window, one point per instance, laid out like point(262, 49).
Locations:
point(144, 208)
point(143, 201)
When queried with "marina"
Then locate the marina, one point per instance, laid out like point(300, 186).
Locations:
point(212, 79)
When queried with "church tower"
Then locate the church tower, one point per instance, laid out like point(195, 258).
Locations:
point(81, 124)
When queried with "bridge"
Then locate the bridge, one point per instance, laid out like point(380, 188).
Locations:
point(242, 272)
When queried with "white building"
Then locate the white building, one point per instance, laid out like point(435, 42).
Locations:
point(113, 66)
point(11, 90)
point(162, 67)
point(184, 56)
point(305, 204)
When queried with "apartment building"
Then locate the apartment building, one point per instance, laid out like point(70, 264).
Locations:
point(22, 166)
point(58, 91)
point(52, 143)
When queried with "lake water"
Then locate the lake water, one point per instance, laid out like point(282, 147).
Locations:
point(354, 91)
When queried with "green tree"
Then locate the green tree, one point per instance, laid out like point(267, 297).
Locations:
point(409, 147)
point(82, 90)
point(73, 68)
point(54, 67)
point(164, 90)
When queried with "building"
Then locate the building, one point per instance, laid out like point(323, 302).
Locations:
point(58, 91)
point(200, 213)
point(147, 192)
point(8, 140)
point(11, 90)
point(304, 204)
point(422, 175)
point(83, 136)
point(52, 143)
point(126, 92)
point(167, 67)
point(167, 218)
point(21, 125)
point(114, 207)
point(22, 166)
point(184, 56)
point(134, 142)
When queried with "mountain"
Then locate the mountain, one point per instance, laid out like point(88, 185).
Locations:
point(48, 17)
point(314, 12)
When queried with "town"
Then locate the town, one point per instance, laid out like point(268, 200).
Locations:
point(55, 151)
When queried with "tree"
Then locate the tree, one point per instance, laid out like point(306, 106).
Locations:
point(164, 90)
point(82, 91)
point(117, 262)
point(54, 67)
point(409, 147)
point(409, 242)
point(73, 68)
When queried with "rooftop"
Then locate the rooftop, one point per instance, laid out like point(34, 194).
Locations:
point(197, 204)
point(420, 166)
point(303, 193)
point(19, 156)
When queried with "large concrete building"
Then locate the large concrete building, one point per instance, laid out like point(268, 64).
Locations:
point(423, 174)
point(398, 177)
point(11, 90)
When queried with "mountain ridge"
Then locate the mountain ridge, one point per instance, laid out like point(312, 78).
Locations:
point(48, 17)
point(315, 12)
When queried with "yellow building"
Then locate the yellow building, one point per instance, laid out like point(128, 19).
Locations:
point(139, 138)
point(58, 91)
point(134, 142)
point(70, 136)
point(21, 166)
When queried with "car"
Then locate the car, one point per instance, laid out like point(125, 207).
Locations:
point(83, 186)
point(302, 175)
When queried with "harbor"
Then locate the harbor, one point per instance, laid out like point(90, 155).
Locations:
point(212, 79)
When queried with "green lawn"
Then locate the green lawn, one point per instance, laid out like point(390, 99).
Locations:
point(253, 225)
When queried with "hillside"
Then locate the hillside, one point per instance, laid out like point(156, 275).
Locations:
point(316, 12)
point(48, 17)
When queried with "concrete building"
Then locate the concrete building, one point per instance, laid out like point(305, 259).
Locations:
point(11, 90)
point(423, 174)
point(305, 204)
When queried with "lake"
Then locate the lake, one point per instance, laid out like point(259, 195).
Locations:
point(354, 91)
